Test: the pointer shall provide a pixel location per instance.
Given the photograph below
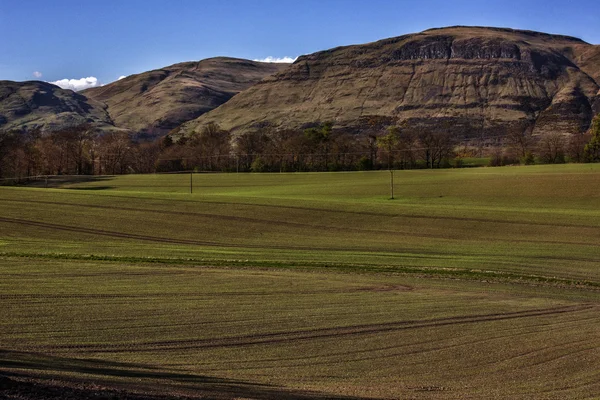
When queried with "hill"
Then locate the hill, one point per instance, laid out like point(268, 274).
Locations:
point(34, 104)
point(157, 101)
point(471, 81)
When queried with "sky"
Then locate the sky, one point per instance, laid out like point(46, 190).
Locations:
point(80, 44)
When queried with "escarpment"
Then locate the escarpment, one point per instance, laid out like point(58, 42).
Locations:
point(469, 81)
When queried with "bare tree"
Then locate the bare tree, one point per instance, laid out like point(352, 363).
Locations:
point(551, 148)
point(576, 147)
point(210, 149)
point(520, 140)
point(247, 146)
point(114, 152)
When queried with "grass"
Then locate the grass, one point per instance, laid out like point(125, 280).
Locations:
point(468, 162)
point(472, 283)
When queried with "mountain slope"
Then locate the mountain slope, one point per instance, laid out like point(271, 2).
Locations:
point(157, 101)
point(33, 104)
point(470, 81)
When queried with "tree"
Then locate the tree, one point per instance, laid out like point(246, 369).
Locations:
point(576, 147)
point(552, 148)
point(388, 143)
point(592, 149)
point(442, 146)
point(248, 146)
point(372, 146)
point(286, 151)
point(9, 143)
point(145, 156)
point(345, 149)
point(520, 139)
point(372, 125)
point(83, 137)
point(320, 137)
point(210, 148)
point(114, 153)
point(436, 147)
point(258, 165)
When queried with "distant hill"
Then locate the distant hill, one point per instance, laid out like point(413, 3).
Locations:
point(34, 104)
point(471, 81)
point(157, 101)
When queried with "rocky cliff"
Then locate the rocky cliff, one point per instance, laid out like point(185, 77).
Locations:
point(157, 101)
point(471, 81)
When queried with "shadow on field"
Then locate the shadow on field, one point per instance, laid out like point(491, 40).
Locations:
point(26, 375)
point(59, 181)
point(93, 188)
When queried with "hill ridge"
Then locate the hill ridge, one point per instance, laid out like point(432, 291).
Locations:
point(157, 101)
point(472, 81)
point(511, 30)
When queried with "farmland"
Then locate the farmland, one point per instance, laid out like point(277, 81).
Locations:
point(471, 283)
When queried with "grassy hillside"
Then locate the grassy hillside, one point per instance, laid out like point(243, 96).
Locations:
point(160, 100)
point(35, 104)
point(476, 283)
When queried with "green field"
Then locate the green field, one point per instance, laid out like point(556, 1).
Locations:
point(472, 283)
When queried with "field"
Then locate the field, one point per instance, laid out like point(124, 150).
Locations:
point(472, 283)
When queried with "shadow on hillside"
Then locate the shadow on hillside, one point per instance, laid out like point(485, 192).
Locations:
point(18, 369)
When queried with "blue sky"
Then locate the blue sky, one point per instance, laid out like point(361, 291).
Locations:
point(67, 39)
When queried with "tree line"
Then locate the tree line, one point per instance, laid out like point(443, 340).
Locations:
point(77, 150)
point(82, 150)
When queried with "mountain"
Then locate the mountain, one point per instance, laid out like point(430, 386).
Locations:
point(588, 59)
point(34, 104)
point(470, 81)
point(157, 101)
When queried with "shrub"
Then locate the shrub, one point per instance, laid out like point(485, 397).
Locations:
point(365, 164)
point(457, 162)
point(258, 165)
point(528, 159)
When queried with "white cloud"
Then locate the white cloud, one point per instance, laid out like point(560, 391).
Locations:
point(272, 59)
point(77, 84)
point(37, 74)
point(122, 77)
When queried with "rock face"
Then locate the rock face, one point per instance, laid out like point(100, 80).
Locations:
point(157, 101)
point(471, 81)
point(30, 105)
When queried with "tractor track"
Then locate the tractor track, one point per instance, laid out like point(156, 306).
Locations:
point(327, 228)
point(101, 232)
point(365, 213)
point(394, 350)
point(311, 209)
point(150, 296)
point(313, 334)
